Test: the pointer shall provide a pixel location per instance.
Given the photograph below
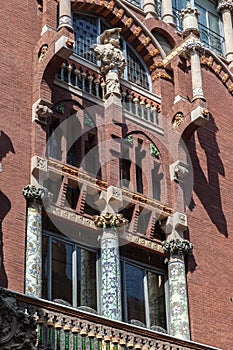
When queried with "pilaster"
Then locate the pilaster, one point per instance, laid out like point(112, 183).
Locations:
point(226, 8)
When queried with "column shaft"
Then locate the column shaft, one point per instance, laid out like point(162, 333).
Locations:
point(167, 14)
point(196, 76)
point(110, 275)
point(65, 18)
point(179, 317)
point(228, 34)
point(33, 266)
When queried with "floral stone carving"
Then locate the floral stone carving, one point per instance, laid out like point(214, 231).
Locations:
point(177, 246)
point(17, 329)
point(108, 220)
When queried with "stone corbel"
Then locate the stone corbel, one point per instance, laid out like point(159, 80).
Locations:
point(175, 225)
point(64, 47)
point(41, 111)
point(178, 170)
point(200, 116)
point(111, 200)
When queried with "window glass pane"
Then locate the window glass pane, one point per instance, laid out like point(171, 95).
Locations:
point(86, 287)
point(135, 293)
point(213, 23)
point(136, 71)
point(86, 31)
point(61, 271)
point(179, 4)
point(156, 295)
point(135, 2)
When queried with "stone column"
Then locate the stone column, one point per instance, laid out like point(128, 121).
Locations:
point(177, 247)
point(65, 17)
point(167, 14)
point(189, 17)
point(149, 6)
point(192, 49)
point(33, 265)
point(226, 7)
point(111, 224)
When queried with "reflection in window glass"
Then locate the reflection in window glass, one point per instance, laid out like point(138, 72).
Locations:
point(61, 271)
point(135, 293)
point(156, 295)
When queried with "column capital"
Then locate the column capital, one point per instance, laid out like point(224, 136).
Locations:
point(225, 5)
point(37, 195)
point(189, 10)
point(109, 220)
point(177, 246)
point(192, 46)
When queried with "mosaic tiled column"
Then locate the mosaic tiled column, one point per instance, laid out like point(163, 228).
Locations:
point(110, 265)
point(178, 301)
point(33, 266)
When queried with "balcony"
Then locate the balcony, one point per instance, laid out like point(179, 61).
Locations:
point(29, 323)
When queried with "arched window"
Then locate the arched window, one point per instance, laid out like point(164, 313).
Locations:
point(140, 168)
point(87, 30)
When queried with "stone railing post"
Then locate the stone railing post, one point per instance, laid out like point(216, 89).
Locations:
point(33, 265)
point(111, 223)
point(226, 8)
point(177, 247)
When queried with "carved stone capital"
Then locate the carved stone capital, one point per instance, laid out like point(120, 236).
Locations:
point(192, 46)
point(37, 195)
point(177, 246)
point(18, 329)
point(189, 10)
point(225, 5)
point(108, 220)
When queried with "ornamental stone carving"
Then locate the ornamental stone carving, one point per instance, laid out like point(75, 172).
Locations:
point(178, 170)
point(192, 46)
point(42, 112)
point(112, 59)
point(18, 329)
point(177, 246)
point(108, 220)
point(225, 5)
point(178, 119)
point(109, 52)
point(37, 195)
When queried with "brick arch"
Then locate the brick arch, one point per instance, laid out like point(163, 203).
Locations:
point(136, 33)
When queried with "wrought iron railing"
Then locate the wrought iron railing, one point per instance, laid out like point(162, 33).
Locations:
point(31, 323)
point(212, 40)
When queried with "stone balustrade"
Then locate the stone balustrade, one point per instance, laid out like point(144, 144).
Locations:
point(31, 323)
point(94, 84)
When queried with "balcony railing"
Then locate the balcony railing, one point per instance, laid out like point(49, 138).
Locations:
point(29, 323)
point(88, 81)
point(211, 39)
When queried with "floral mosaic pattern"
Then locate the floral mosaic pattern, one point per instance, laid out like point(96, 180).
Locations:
point(110, 279)
point(179, 319)
point(33, 251)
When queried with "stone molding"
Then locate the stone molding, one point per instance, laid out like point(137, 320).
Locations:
point(225, 5)
point(108, 220)
point(177, 246)
point(18, 329)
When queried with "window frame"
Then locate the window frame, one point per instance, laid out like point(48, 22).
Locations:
point(146, 268)
point(48, 264)
point(125, 44)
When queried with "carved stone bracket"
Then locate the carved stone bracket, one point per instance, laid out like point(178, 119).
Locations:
point(199, 115)
point(41, 110)
point(108, 220)
point(37, 195)
point(192, 46)
point(18, 329)
point(225, 5)
point(178, 170)
point(177, 246)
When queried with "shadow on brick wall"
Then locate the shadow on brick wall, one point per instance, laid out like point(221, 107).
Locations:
point(6, 146)
point(206, 184)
